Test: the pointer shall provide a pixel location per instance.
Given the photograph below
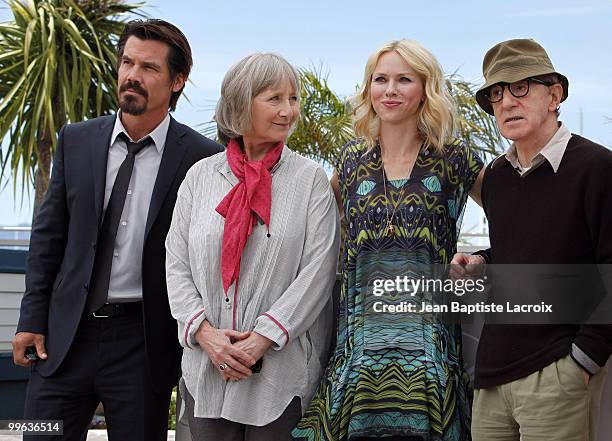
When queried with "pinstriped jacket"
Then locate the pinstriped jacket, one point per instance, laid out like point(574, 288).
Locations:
point(284, 292)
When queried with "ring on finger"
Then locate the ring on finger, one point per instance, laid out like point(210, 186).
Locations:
point(223, 366)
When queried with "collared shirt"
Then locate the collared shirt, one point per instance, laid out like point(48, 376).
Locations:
point(126, 275)
point(552, 152)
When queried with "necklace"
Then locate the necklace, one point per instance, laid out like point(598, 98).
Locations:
point(390, 228)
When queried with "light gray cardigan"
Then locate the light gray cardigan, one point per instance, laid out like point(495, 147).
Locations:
point(284, 290)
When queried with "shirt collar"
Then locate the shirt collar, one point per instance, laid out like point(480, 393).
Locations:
point(553, 151)
point(158, 135)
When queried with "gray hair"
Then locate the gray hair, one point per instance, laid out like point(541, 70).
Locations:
point(243, 82)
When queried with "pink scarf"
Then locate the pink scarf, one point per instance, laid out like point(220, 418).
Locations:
point(251, 197)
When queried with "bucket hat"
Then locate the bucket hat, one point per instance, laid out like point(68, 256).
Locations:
point(515, 60)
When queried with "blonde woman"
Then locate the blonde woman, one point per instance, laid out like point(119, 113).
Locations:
point(251, 262)
point(401, 186)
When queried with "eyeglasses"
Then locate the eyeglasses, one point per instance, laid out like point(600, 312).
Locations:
point(518, 89)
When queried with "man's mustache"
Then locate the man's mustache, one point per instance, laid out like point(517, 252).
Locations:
point(136, 87)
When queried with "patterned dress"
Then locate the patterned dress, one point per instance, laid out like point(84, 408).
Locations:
point(391, 375)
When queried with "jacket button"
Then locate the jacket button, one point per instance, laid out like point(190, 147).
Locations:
point(86, 286)
point(93, 245)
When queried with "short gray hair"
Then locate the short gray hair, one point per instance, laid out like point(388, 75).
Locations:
point(243, 82)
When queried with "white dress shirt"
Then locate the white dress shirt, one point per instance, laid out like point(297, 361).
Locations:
point(126, 272)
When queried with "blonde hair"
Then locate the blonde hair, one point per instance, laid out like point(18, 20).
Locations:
point(436, 121)
point(243, 82)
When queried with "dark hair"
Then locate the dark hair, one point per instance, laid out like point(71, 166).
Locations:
point(179, 56)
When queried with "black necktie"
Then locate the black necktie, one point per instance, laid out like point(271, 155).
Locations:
point(103, 262)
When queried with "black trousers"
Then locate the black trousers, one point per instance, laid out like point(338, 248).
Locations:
point(106, 363)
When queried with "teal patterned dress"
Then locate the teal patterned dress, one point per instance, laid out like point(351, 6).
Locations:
point(390, 375)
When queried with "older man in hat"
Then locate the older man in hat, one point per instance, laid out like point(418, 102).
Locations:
point(548, 200)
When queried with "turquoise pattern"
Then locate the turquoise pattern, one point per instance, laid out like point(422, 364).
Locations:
point(432, 183)
point(365, 187)
point(398, 183)
point(452, 208)
point(395, 374)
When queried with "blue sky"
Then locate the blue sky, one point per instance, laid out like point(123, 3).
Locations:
point(339, 35)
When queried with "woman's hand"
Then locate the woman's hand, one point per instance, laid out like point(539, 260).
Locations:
point(255, 345)
point(233, 362)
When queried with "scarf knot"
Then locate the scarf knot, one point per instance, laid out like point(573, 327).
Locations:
point(248, 201)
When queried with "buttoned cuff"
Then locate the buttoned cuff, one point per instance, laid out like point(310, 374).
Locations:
point(270, 327)
point(191, 327)
point(586, 362)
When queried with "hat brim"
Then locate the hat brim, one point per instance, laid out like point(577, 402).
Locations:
point(513, 74)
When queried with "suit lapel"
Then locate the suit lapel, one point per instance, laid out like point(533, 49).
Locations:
point(174, 151)
point(99, 157)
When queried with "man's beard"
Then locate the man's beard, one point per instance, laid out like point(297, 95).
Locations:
point(129, 104)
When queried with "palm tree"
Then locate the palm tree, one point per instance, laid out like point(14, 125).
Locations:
point(57, 65)
point(476, 127)
point(325, 123)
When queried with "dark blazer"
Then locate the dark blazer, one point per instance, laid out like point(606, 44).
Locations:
point(64, 235)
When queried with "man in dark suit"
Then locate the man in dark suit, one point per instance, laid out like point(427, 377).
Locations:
point(96, 306)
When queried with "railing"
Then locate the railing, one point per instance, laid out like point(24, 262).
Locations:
point(15, 237)
point(469, 242)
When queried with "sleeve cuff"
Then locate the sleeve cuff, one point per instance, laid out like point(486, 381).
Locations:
point(32, 325)
point(584, 360)
point(485, 254)
point(191, 327)
point(270, 327)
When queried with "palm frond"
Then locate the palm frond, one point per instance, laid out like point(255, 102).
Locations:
point(325, 122)
point(475, 127)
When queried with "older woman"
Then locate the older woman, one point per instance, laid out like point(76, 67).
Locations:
point(402, 186)
point(251, 258)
